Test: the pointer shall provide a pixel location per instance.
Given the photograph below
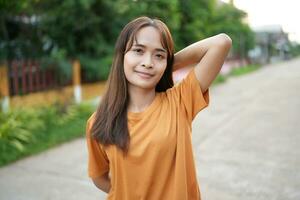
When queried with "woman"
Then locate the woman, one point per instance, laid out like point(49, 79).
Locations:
point(139, 139)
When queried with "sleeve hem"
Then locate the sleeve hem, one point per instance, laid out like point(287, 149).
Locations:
point(202, 97)
point(96, 175)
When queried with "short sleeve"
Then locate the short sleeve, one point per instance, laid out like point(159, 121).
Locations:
point(98, 162)
point(190, 96)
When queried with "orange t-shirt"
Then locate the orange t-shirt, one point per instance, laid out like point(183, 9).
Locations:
point(160, 163)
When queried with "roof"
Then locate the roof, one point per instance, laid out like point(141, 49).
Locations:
point(274, 28)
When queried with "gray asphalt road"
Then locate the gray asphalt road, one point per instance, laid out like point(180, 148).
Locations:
point(246, 147)
point(247, 142)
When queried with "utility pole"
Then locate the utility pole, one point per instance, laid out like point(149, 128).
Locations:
point(76, 81)
point(4, 88)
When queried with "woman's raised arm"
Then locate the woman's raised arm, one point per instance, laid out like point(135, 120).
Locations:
point(207, 55)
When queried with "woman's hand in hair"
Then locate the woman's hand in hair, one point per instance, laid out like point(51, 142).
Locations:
point(207, 56)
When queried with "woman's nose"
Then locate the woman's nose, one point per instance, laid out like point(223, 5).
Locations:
point(147, 62)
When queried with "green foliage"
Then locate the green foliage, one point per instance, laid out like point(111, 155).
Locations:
point(229, 20)
point(95, 69)
point(244, 70)
point(58, 60)
point(295, 49)
point(239, 71)
point(73, 112)
point(29, 131)
point(60, 31)
point(19, 33)
point(219, 79)
point(84, 30)
point(16, 128)
point(195, 19)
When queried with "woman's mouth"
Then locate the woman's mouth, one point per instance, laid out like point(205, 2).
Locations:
point(144, 74)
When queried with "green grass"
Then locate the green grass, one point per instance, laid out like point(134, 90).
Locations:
point(59, 126)
point(236, 72)
point(219, 79)
point(244, 70)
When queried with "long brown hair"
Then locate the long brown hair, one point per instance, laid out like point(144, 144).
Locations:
point(110, 124)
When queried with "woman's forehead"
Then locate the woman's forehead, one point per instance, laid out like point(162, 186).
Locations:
point(149, 37)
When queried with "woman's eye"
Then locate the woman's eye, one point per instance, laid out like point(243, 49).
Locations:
point(139, 51)
point(160, 56)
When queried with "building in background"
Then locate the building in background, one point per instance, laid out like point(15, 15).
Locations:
point(271, 45)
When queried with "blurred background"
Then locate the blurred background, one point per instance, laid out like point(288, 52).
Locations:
point(55, 57)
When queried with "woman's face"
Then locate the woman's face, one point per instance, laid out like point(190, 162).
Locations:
point(146, 60)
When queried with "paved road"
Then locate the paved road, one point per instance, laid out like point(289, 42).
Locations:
point(247, 142)
point(246, 147)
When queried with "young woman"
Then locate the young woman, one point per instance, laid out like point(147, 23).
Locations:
point(139, 139)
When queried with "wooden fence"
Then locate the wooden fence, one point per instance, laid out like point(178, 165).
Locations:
point(20, 78)
point(27, 76)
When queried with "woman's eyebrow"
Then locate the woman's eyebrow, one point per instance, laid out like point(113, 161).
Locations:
point(143, 46)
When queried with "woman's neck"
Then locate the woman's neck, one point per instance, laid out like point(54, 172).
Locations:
point(140, 99)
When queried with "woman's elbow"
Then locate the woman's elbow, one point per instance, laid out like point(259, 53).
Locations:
point(103, 183)
point(224, 40)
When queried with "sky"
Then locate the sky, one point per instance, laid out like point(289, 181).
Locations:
point(271, 12)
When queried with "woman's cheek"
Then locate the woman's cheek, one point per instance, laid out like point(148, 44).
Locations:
point(163, 66)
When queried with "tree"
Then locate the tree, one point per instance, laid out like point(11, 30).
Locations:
point(228, 19)
point(18, 32)
point(61, 31)
point(194, 20)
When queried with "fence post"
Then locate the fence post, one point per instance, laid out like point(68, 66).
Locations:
point(76, 81)
point(4, 88)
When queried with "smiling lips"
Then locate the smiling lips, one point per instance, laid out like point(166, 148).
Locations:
point(144, 74)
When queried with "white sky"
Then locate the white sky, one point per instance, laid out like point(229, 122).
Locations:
point(269, 12)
